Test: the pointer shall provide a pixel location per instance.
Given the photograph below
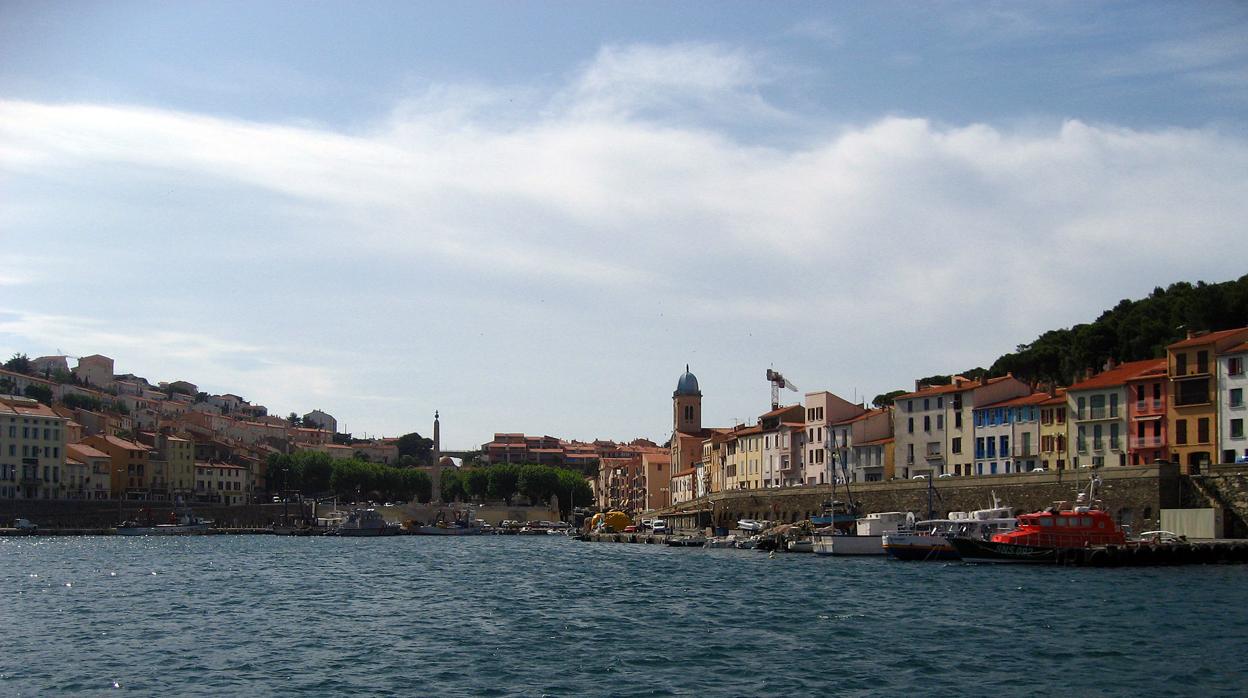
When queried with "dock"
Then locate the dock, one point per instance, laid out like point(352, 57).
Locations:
point(1203, 552)
point(13, 532)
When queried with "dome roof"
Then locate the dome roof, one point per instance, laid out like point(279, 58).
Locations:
point(688, 384)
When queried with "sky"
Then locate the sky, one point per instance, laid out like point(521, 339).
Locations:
point(532, 216)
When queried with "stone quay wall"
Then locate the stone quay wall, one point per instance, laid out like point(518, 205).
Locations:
point(1222, 487)
point(75, 514)
point(1134, 494)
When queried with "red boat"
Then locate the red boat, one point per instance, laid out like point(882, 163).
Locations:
point(1047, 536)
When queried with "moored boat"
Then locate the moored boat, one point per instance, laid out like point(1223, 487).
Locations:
point(181, 523)
point(1052, 535)
point(868, 538)
point(365, 523)
point(929, 540)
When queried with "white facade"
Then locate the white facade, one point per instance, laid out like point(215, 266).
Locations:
point(1098, 426)
point(323, 420)
point(1232, 413)
point(823, 409)
point(32, 450)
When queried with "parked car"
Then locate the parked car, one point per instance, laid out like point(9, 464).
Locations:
point(944, 475)
point(919, 477)
point(659, 526)
point(630, 529)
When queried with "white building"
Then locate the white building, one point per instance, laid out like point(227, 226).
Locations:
point(95, 370)
point(1232, 384)
point(32, 450)
point(823, 409)
point(1007, 435)
point(857, 445)
point(324, 420)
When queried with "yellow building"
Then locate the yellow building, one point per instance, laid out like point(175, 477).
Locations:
point(131, 477)
point(1192, 417)
point(1054, 451)
point(32, 449)
point(223, 483)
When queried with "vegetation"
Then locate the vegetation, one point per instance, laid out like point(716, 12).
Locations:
point(316, 474)
point(886, 399)
point(42, 393)
point(20, 363)
point(86, 402)
point(416, 446)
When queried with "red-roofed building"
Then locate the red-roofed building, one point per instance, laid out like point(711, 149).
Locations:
point(1098, 414)
point(823, 409)
point(131, 473)
point(1192, 421)
point(32, 449)
point(1007, 435)
point(933, 427)
point(1054, 431)
point(858, 448)
point(1147, 396)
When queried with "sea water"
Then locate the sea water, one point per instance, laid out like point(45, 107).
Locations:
point(496, 616)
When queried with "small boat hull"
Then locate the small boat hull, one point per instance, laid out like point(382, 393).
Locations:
point(919, 546)
point(974, 550)
point(164, 530)
point(448, 531)
point(849, 545)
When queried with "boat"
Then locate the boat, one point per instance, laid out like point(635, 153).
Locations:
point(365, 523)
point(462, 525)
point(1049, 536)
point(729, 541)
point(930, 538)
point(868, 538)
point(801, 545)
point(688, 540)
point(747, 543)
point(181, 523)
point(751, 525)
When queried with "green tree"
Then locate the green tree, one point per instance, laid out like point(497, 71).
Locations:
point(886, 399)
point(415, 445)
point(294, 419)
point(20, 363)
point(504, 480)
point(573, 490)
point(42, 393)
point(476, 482)
point(7, 386)
point(452, 486)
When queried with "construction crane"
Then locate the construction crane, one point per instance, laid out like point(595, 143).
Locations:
point(777, 382)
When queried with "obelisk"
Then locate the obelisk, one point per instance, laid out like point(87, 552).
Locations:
point(436, 471)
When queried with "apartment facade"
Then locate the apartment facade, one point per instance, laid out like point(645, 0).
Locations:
point(933, 425)
point(823, 409)
point(1232, 384)
point(32, 449)
point(858, 447)
point(1007, 435)
point(1147, 398)
point(131, 473)
point(1098, 421)
point(1054, 449)
point(1192, 420)
point(98, 484)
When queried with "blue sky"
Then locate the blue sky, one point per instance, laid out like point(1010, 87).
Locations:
point(531, 216)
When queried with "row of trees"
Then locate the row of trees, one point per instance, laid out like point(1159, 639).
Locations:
point(315, 473)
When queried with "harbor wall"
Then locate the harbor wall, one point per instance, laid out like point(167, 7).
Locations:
point(1223, 487)
point(1135, 495)
point(76, 514)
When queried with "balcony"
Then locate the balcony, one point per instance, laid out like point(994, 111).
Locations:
point(934, 451)
point(1146, 442)
point(1023, 450)
point(1157, 406)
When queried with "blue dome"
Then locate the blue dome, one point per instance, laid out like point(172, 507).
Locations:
point(688, 384)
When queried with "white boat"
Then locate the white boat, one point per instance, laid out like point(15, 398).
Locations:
point(729, 541)
point(802, 545)
point(183, 524)
point(462, 525)
point(929, 539)
point(868, 538)
point(365, 523)
point(751, 526)
point(747, 543)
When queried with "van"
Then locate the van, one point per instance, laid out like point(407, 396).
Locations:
point(659, 526)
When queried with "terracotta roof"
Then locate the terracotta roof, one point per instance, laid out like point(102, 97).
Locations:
point(1058, 399)
point(779, 410)
point(27, 406)
point(967, 384)
point(122, 443)
point(1208, 338)
point(85, 451)
point(877, 442)
point(859, 418)
point(1032, 399)
point(1118, 375)
point(749, 431)
point(1237, 349)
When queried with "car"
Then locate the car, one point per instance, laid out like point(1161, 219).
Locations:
point(1161, 537)
point(944, 475)
point(919, 477)
point(630, 529)
point(659, 526)
point(1038, 470)
point(25, 526)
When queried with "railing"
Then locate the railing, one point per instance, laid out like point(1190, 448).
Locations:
point(1024, 450)
point(1097, 413)
point(1146, 441)
point(934, 451)
point(1149, 406)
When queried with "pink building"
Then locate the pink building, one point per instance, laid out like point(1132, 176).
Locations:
point(1146, 415)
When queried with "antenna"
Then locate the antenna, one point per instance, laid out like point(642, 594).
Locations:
point(778, 381)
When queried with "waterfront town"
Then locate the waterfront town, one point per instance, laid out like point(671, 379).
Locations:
point(88, 433)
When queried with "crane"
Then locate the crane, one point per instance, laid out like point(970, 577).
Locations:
point(778, 381)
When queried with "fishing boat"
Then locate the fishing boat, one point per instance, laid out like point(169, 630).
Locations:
point(461, 525)
point(363, 523)
point(181, 522)
point(929, 540)
point(1048, 536)
point(868, 538)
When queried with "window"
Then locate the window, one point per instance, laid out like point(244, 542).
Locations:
point(1139, 393)
point(1082, 403)
point(927, 423)
point(1191, 392)
point(1113, 405)
point(979, 447)
point(909, 405)
point(1235, 365)
point(910, 425)
point(1180, 364)
point(1005, 446)
point(940, 422)
point(992, 447)
point(1202, 361)
point(940, 403)
point(956, 446)
point(1113, 436)
point(927, 404)
point(1061, 415)
point(1237, 429)
point(957, 420)
point(1180, 431)
point(1202, 430)
point(1237, 397)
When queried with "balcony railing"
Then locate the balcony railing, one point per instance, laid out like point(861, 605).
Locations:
point(1024, 450)
point(1146, 441)
point(934, 451)
point(1149, 406)
point(1098, 413)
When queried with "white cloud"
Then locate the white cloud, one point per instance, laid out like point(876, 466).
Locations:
point(613, 207)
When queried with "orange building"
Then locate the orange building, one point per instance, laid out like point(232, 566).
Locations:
point(1192, 417)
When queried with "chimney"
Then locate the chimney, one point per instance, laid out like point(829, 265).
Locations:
point(918, 385)
point(1190, 333)
point(1110, 364)
point(983, 379)
point(1087, 373)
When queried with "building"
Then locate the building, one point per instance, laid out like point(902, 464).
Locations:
point(50, 366)
point(317, 419)
point(1147, 397)
point(823, 409)
point(858, 448)
point(1192, 420)
point(95, 370)
point(1232, 382)
point(98, 484)
point(783, 435)
point(1007, 435)
point(32, 449)
point(222, 483)
point(1054, 453)
point(1097, 407)
point(682, 486)
point(933, 427)
point(131, 475)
